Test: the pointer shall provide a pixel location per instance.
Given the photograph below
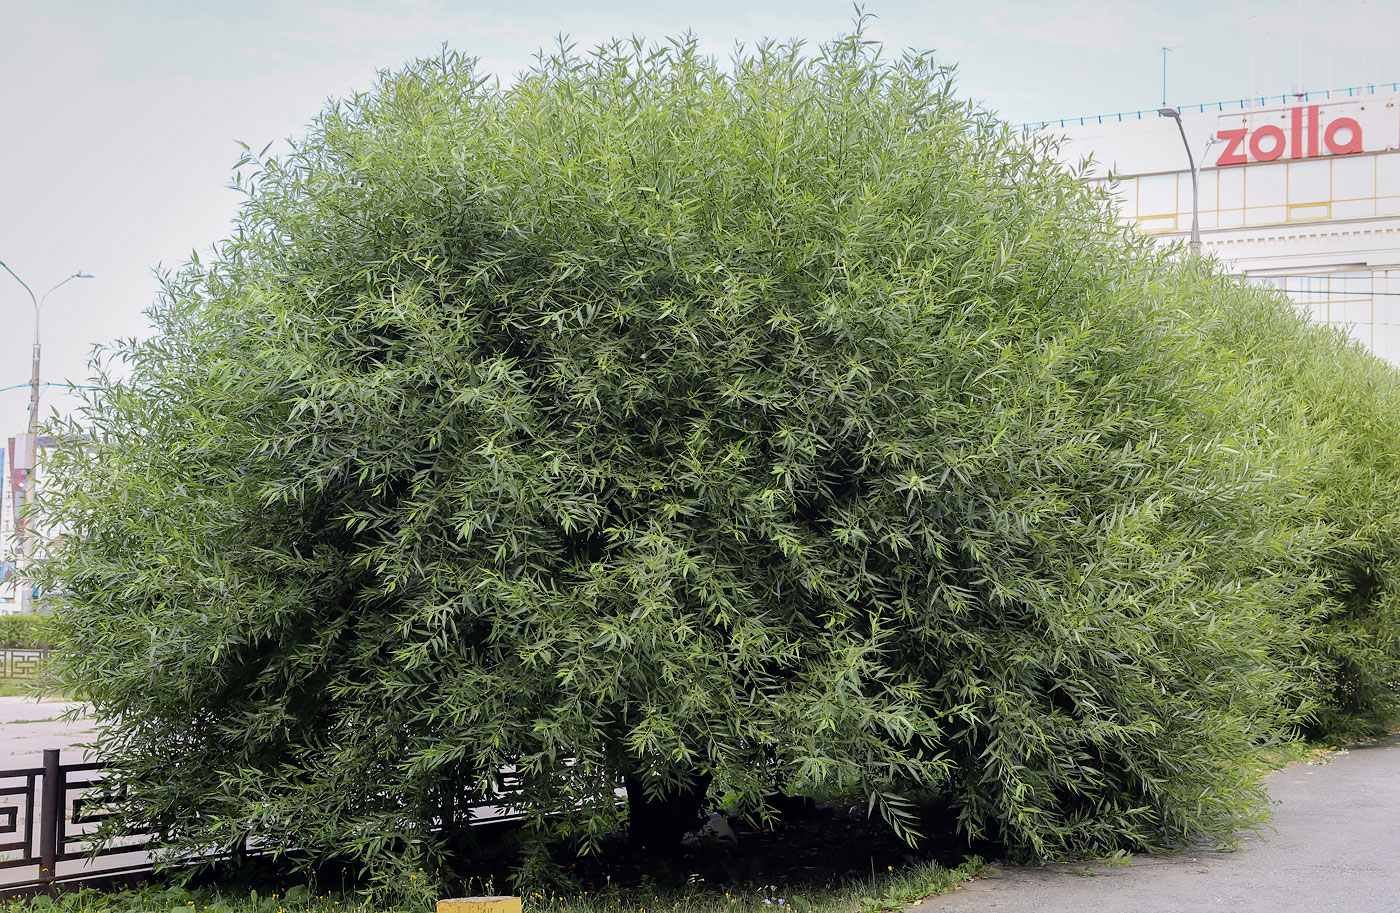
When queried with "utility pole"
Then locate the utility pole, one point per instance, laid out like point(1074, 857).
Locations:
point(27, 447)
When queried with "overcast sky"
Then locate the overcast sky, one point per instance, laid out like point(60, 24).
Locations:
point(120, 120)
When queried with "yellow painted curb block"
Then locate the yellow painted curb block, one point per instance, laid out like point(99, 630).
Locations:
point(479, 905)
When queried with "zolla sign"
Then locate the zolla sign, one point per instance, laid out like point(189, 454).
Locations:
point(1307, 137)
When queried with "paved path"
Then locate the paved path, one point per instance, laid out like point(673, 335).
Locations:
point(28, 726)
point(1335, 847)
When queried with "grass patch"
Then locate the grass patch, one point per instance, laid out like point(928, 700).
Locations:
point(1313, 754)
point(30, 686)
point(892, 889)
point(17, 687)
point(1279, 756)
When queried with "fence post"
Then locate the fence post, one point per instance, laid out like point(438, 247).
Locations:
point(50, 813)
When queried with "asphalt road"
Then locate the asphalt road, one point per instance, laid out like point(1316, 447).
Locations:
point(1335, 846)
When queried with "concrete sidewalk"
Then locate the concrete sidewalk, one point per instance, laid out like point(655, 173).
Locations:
point(1335, 846)
point(28, 726)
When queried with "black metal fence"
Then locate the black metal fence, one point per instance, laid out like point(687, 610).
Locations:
point(47, 816)
point(21, 663)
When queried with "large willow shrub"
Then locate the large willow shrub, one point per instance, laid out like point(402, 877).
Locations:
point(1332, 412)
point(789, 425)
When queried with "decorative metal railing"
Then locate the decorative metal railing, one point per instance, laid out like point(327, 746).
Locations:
point(47, 816)
point(21, 663)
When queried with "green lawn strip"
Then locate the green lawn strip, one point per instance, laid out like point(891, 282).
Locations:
point(29, 686)
point(16, 687)
point(894, 889)
point(1277, 757)
point(1311, 753)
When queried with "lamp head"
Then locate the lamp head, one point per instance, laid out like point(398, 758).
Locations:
point(1169, 112)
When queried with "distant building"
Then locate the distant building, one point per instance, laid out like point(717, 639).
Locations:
point(8, 546)
point(1301, 191)
point(13, 470)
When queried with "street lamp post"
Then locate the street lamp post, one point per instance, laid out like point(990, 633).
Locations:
point(1195, 180)
point(30, 447)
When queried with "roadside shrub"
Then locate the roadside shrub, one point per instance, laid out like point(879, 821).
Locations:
point(795, 426)
point(23, 631)
point(1333, 410)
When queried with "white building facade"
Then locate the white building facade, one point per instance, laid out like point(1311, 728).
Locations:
point(9, 550)
point(19, 459)
point(1301, 191)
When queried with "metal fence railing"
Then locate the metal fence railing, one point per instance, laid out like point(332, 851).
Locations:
point(47, 815)
point(20, 663)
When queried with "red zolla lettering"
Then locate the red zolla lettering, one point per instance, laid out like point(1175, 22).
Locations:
point(1234, 139)
point(1296, 120)
point(1277, 135)
point(1353, 143)
point(1312, 130)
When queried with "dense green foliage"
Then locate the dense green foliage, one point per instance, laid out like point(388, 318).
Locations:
point(791, 426)
point(1332, 413)
point(20, 631)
